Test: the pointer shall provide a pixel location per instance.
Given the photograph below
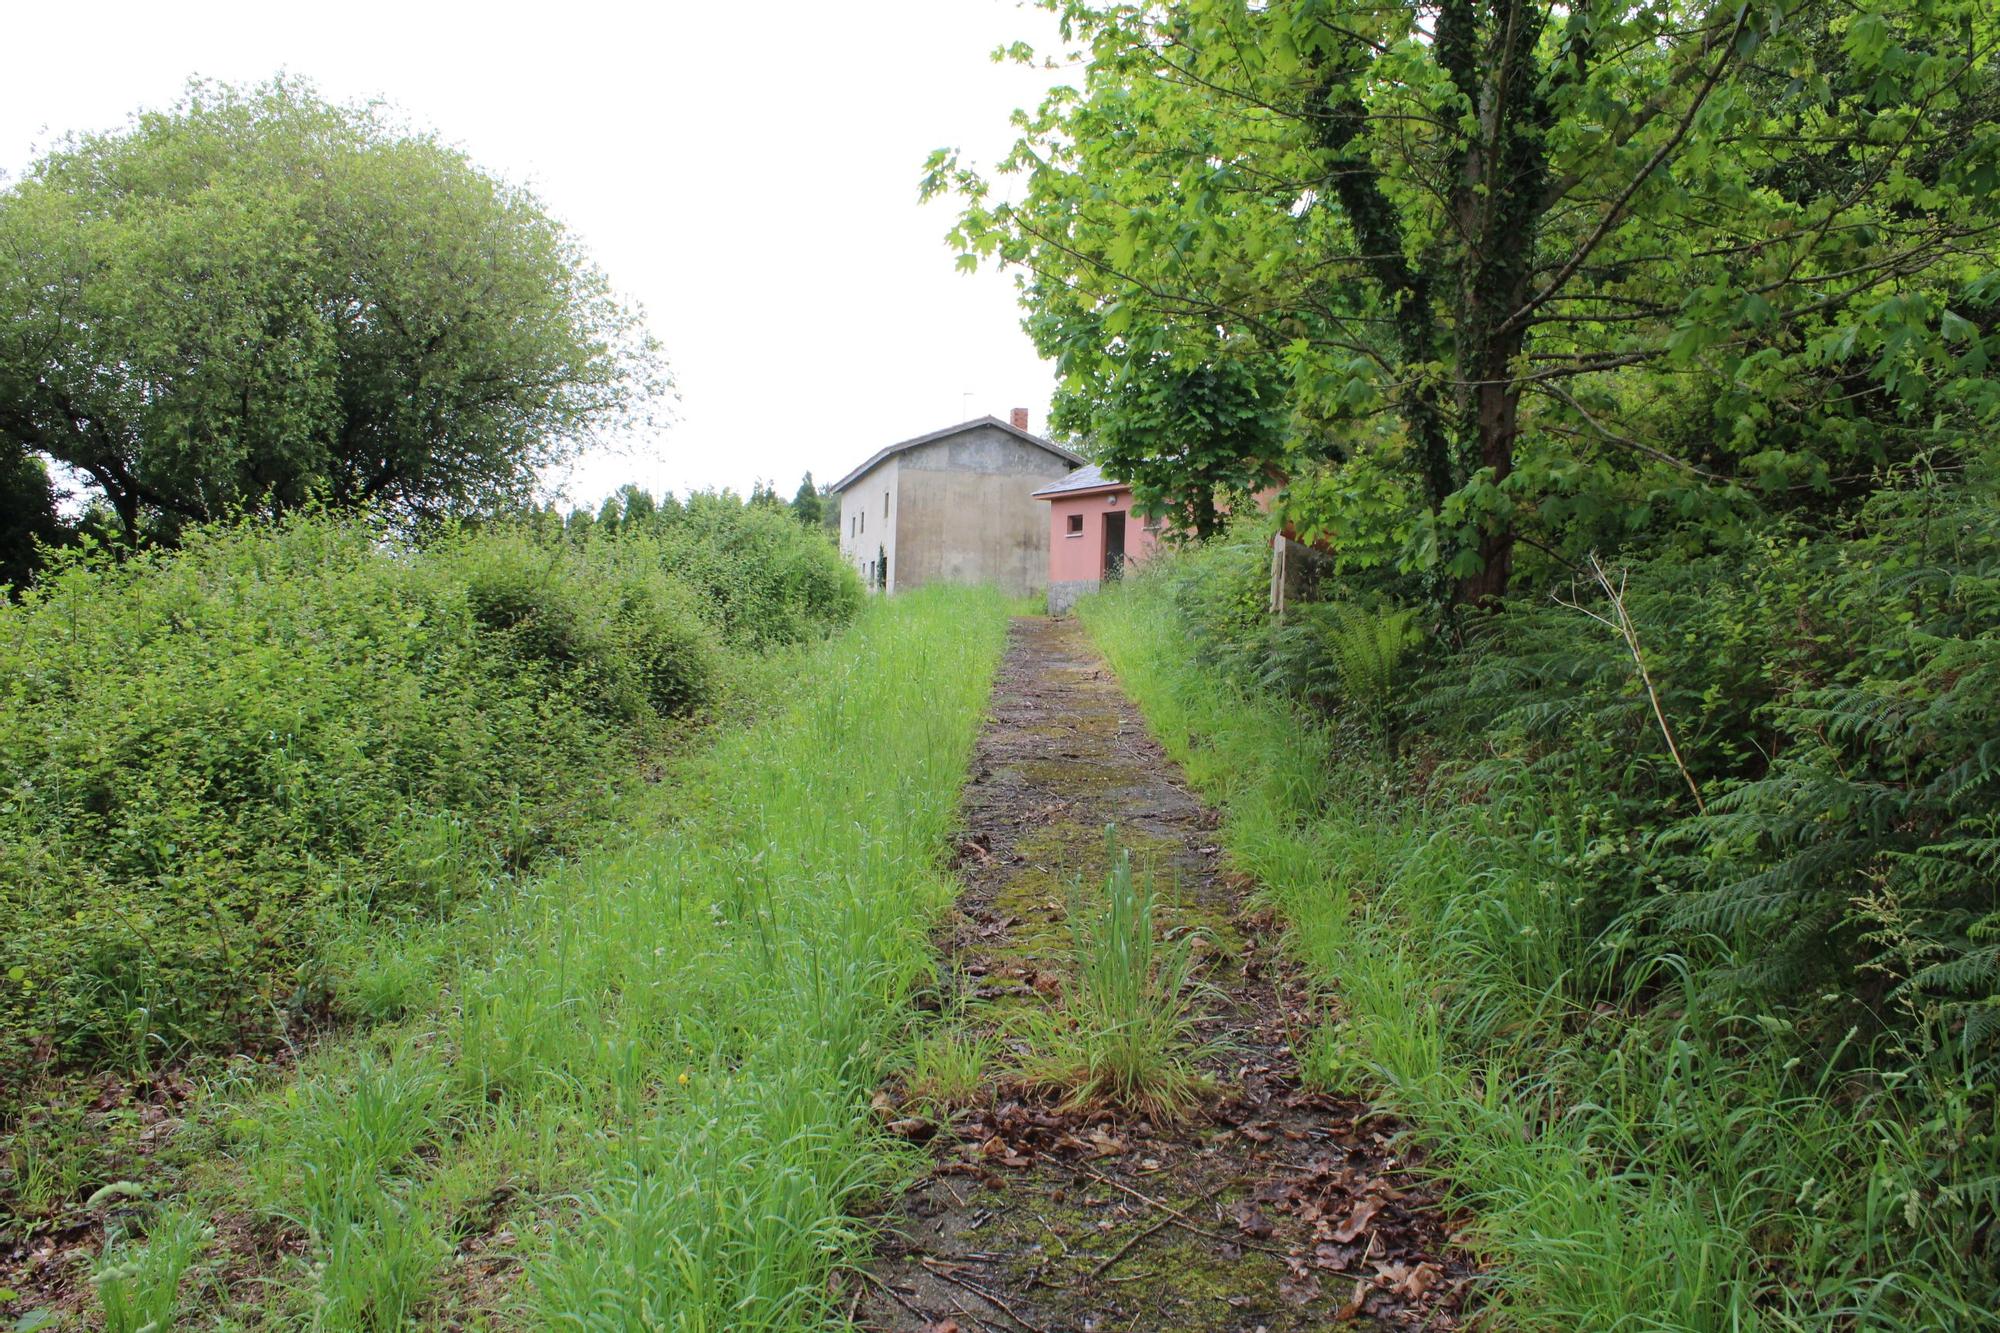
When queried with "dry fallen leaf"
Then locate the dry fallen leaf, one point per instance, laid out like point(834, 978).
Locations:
point(1410, 1280)
point(1358, 1220)
point(1298, 1290)
point(1253, 1223)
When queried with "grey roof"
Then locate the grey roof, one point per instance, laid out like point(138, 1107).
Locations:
point(1089, 477)
point(1067, 455)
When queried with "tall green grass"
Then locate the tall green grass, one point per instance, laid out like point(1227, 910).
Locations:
point(1666, 1167)
point(647, 1075)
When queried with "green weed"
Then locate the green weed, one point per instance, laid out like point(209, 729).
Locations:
point(1125, 1033)
point(138, 1283)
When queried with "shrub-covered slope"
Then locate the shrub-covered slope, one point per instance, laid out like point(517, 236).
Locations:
point(208, 756)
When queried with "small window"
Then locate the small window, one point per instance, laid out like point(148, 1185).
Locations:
point(863, 516)
point(850, 525)
point(885, 504)
point(1152, 522)
point(1075, 525)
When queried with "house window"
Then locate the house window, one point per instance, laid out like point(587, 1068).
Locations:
point(885, 504)
point(863, 516)
point(1152, 522)
point(1075, 525)
point(850, 525)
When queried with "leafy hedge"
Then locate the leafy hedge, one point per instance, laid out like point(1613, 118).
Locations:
point(208, 756)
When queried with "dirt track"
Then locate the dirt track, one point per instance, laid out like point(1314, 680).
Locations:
point(1275, 1207)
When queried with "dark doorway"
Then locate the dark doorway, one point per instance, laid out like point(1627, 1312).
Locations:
point(1114, 545)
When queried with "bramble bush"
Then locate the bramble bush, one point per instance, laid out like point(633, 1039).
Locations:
point(604, 624)
point(211, 756)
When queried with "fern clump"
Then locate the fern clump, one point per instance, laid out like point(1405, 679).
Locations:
point(1368, 649)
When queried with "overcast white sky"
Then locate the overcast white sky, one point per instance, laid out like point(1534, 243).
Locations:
point(747, 173)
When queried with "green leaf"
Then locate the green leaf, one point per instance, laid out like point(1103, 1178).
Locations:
point(117, 1189)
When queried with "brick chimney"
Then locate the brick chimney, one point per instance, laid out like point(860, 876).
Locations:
point(1018, 418)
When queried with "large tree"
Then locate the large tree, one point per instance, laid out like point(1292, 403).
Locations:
point(256, 299)
point(1459, 225)
point(1184, 436)
point(28, 517)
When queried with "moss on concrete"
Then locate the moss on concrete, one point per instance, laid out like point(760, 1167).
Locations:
point(1055, 1243)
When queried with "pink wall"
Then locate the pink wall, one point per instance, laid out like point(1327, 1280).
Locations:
point(1074, 557)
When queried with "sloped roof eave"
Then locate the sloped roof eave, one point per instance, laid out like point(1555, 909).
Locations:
point(1098, 489)
point(881, 455)
point(1088, 479)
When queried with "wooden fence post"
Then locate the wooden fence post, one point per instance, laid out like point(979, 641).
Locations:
point(1281, 574)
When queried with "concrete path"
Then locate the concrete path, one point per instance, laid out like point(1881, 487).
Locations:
point(1271, 1207)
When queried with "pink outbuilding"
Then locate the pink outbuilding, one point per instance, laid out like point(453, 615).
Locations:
point(1093, 534)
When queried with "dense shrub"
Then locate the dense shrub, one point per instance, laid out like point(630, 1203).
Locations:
point(767, 578)
point(1794, 904)
point(605, 623)
point(1834, 696)
point(1833, 692)
point(206, 754)
point(764, 578)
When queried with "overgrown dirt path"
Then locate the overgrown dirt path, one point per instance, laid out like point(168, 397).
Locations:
point(1273, 1207)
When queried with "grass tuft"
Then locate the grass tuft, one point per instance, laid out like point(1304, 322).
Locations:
point(138, 1286)
point(947, 1065)
point(1125, 1034)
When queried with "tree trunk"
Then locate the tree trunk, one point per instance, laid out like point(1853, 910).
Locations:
point(1503, 173)
point(1497, 419)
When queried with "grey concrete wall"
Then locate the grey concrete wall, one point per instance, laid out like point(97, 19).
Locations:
point(964, 512)
point(1064, 593)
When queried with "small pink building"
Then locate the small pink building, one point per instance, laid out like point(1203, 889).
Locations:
point(1093, 534)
